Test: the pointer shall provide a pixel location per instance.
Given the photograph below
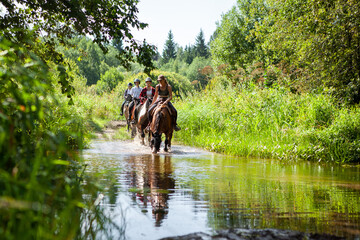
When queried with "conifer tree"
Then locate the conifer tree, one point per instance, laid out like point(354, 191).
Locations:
point(201, 49)
point(169, 51)
point(189, 53)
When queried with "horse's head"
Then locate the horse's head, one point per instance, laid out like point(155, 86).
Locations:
point(148, 103)
point(128, 98)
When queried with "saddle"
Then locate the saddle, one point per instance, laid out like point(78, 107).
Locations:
point(160, 106)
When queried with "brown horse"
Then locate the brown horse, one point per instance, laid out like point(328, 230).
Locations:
point(143, 120)
point(162, 122)
point(126, 114)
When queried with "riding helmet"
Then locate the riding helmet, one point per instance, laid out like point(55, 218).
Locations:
point(148, 80)
point(130, 84)
point(137, 80)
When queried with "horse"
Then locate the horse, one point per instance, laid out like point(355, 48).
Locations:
point(143, 120)
point(162, 122)
point(128, 99)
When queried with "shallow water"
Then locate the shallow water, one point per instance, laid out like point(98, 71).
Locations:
point(191, 190)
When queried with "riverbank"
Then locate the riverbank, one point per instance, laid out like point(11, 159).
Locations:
point(270, 123)
point(255, 234)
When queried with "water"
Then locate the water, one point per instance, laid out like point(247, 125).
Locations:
point(191, 190)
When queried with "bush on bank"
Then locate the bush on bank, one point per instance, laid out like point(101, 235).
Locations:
point(41, 181)
point(270, 123)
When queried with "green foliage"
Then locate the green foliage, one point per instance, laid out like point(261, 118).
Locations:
point(91, 60)
point(197, 72)
point(340, 142)
point(234, 42)
point(321, 37)
point(109, 80)
point(201, 49)
point(169, 51)
point(270, 123)
point(41, 195)
point(103, 20)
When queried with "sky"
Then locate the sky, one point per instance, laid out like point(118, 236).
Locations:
point(184, 18)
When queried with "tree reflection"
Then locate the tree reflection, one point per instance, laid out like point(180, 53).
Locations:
point(151, 182)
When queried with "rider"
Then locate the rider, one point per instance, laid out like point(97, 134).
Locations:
point(127, 92)
point(147, 92)
point(135, 93)
point(163, 93)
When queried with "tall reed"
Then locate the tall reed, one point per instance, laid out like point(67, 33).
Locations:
point(269, 123)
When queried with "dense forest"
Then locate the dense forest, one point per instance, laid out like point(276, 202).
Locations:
point(277, 79)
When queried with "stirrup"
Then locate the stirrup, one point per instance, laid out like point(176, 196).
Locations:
point(177, 128)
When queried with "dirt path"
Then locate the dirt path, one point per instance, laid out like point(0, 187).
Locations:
point(110, 129)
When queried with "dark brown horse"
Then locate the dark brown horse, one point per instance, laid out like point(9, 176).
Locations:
point(126, 114)
point(143, 120)
point(162, 122)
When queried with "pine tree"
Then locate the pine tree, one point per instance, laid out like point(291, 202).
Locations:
point(169, 51)
point(189, 54)
point(201, 49)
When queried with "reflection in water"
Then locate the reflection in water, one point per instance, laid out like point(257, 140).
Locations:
point(152, 182)
point(190, 191)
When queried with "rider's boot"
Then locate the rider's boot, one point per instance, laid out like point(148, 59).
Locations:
point(176, 127)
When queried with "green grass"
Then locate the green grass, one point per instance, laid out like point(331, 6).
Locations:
point(270, 123)
point(122, 134)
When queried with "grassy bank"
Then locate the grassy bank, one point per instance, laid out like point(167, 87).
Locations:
point(270, 123)
point(44, 190)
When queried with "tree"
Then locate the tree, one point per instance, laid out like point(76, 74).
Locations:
point(201, 49)
point(50, 23)
point(118, 44)
point(234, 42)
point(189, 54)
point(322, 37)
point(169, 51)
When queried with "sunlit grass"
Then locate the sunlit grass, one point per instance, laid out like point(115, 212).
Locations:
point(122, 134)
point(270, 123)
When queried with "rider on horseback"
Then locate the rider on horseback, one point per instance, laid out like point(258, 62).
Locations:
point(163, 94)
point(135, 93)
point(126, 93)
point(147, 92)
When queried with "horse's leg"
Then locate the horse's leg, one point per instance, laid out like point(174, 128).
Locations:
point(166, 143)
point(169, 140)
point(152, 140)
point(149, 138)
point(133, 131)
point(142, 135)
point(157, 142)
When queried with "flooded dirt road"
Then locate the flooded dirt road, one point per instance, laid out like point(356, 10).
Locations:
point(191, 190)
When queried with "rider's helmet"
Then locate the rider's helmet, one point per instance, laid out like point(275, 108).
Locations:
point(137, 80)
point(148, 80)
point(130, 84)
